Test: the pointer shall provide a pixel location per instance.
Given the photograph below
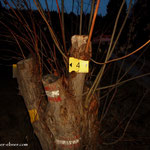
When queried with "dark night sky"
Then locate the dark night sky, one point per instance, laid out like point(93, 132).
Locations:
point(68, 5)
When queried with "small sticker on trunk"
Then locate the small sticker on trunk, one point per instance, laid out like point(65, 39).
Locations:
point(33, 115)
point(14, 70)
point(52, 94)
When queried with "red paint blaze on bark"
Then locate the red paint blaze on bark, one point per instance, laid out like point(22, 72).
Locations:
point(54, 99)
point(51, 88)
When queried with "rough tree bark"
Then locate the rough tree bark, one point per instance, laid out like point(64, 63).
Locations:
point(57, 112)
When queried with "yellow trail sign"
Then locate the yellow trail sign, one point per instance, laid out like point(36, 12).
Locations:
point(78, 65)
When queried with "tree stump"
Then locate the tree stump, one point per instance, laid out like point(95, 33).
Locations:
point(57, 112)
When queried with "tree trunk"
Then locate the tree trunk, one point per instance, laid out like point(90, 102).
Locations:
point(32, 91)
point(57, 112)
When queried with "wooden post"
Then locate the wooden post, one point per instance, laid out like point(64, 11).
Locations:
point(77, 80)
point(89, 123)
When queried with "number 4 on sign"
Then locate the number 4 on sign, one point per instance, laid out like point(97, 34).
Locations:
point(78, 65)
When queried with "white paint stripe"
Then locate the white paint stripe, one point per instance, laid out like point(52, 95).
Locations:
point(52, 93)
point(63, 142)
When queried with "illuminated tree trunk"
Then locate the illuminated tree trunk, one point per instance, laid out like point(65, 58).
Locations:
point(56, 109)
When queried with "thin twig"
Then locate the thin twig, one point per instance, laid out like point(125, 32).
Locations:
point(100, 74)
point(123, 57)
point(92, 26)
